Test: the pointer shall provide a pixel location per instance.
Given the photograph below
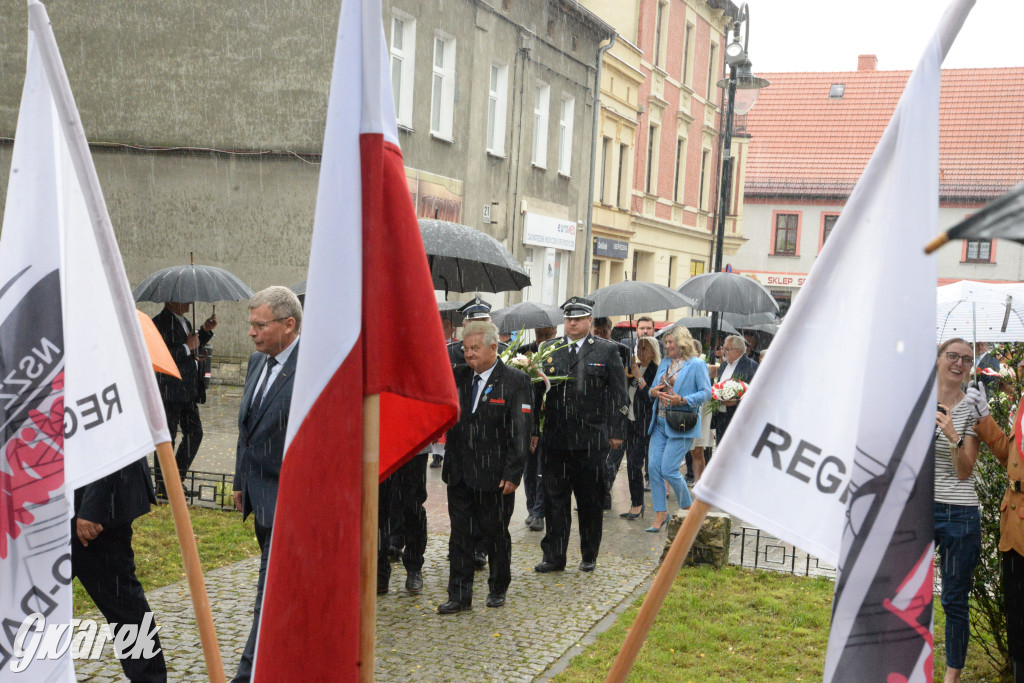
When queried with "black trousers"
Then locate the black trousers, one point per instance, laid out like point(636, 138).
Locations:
point(636, 460)
point(245, 664)
point(1013, 591)
point(568, 473)
point(533, 483)
point(485, 513)
point(106, 568)
point(400, 504)
point(185, 416)
point(611, 467)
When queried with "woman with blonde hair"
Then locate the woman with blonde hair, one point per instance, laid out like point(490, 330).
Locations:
point(682, 380)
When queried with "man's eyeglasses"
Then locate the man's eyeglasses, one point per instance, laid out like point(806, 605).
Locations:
point(953, 357)
point(258, 326)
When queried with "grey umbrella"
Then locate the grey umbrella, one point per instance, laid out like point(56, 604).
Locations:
point(299, 289)
point(629, 297)
point(450, 310)
point(526, 315)
point(185, 284)
point(742, 322)
point(701, 322)
point(463, 259)
point(767, 328)
point(728, 293)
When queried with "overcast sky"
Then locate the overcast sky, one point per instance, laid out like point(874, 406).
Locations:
point(827, 35)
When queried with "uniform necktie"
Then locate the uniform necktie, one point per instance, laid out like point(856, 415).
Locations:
point(572, 353)
point(476, 390)
point(271, 364)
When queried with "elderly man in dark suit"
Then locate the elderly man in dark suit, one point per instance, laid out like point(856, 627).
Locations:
point(484, 460)
point(181, 396)
point(103, 560)
point(275, 319)
point(735, 365)
point(583, 417)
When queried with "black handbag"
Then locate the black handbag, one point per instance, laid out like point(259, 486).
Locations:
point(680, 418)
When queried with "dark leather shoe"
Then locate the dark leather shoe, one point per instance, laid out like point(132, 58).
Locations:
point(480, 560)
point(587, 566)
point(437, 461)
point(414, 581)
point(453, 606)
point(529, 520)
point(495, 599)
point(545, 567)
point(382, 588)
point(537, 524)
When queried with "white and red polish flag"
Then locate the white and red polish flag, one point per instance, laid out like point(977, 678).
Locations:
point(370, 327)
point(78, 399)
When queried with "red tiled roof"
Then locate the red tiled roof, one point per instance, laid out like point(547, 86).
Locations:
point(805, 144)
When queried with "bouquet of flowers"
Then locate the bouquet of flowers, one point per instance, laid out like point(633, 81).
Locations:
point(533, 363)
point(729, 390)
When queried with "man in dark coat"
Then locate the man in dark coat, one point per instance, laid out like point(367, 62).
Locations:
point(275, 319)
point(103, 560)
point(485, 455)
point(603, 329)
point(181, 396)
point(583, 417)
point(735, 365)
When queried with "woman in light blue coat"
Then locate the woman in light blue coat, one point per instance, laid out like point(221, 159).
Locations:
point(682, 379)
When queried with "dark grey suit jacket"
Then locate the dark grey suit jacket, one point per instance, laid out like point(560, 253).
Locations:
point(118, 498)
point(261, 439)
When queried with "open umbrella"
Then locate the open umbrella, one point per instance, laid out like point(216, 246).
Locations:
point(526, 315)
point(631, 297)
point(743, 321)
point(450, 310)
point(463, 259)
point(998, 308)
point(767, 328)
point(728, 293)
point(185, 284)
point(701, 322)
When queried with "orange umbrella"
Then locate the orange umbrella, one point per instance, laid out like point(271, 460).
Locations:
point(158, 353)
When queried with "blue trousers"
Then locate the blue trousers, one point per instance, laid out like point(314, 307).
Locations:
point(958, 543)
point(664, 458)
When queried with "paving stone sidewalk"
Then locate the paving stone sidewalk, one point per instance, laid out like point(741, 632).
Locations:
point(545, 615)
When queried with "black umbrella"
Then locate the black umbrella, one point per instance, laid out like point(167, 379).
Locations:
point(728, 293)
point(701, 322)
point(629, 297)
point(526, 315)
point(767, 328)
point(463, 259)
point(185, 284)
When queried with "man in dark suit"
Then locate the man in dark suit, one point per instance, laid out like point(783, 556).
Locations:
point(485, 455)
point(583, 417)
point(603, 329)
point(103, 560)
point(275, 319)
point(180, 396)
point(735, 365)
point(534, 487)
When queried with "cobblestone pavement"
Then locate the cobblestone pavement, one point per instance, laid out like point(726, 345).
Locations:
point(545, 616)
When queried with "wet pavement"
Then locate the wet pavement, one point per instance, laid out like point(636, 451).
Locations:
point(545, 616)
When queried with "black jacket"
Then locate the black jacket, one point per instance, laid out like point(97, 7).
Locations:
point(172, 389)
point(589, 408)
point(490, 445)
point(117, 499)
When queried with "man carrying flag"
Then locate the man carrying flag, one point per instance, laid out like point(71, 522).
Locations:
point(355, 383)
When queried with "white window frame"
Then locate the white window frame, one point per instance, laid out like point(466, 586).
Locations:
point(565, 123)
point(442, 87)
point(497, 105)
point(405, 56)
point(541, 118)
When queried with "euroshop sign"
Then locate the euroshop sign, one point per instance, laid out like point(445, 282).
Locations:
point(545, 231)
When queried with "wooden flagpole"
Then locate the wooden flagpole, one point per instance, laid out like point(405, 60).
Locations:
point(368, 544)
point(659, 589)
point(190, 557)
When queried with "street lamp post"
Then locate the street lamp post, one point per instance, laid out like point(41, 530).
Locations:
point(740, 77)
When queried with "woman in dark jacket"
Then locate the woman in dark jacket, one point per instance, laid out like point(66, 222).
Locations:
point(645, 367)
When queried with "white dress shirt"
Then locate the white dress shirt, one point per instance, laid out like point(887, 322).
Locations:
point(281, 359)
point(484, 376)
